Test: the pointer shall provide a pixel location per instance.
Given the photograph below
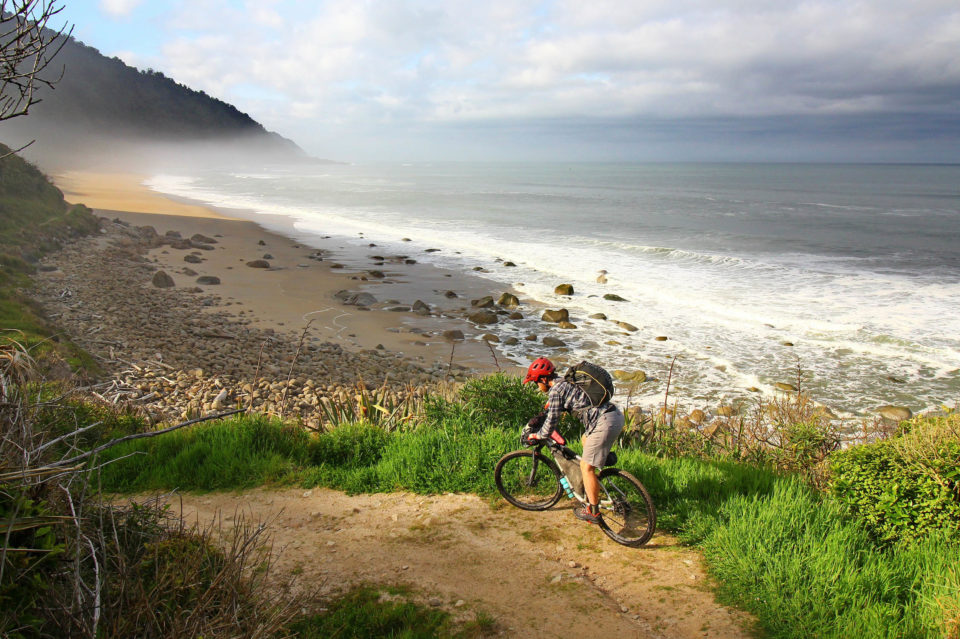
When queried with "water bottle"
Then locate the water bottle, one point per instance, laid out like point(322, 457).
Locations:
point(566, 487)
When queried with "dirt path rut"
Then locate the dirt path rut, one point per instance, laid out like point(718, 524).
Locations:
point(537, 574)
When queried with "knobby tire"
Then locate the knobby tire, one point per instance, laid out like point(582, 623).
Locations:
point(628, 515)
point(512, 476)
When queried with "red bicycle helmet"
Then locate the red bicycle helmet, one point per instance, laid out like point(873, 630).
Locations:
point(541, 367)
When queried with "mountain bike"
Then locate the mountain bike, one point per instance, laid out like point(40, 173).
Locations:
point(532, 480)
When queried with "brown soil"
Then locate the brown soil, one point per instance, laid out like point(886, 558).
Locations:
point(537, 574)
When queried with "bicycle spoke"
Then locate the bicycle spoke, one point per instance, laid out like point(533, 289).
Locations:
point(627, 510)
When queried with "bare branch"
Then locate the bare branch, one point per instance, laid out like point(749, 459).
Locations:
point(154, 433)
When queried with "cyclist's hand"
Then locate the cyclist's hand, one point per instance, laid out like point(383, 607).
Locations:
point(532, 439)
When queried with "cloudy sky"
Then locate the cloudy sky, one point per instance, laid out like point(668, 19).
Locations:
point(780, 80)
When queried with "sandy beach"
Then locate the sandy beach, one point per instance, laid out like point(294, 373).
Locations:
point(297, 288)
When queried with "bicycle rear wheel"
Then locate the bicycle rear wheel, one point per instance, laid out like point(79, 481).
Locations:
point(629, 517)
point(528, 480)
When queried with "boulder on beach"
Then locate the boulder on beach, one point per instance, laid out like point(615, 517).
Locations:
point(191, 258)
point(784, 386)
point(564, 324)
point(531, 338)
point(508, 300)
point(203, 239)
point(162, 280)
point(627, 326)
point(421, 308)
point(454, 335)
point(511, 341)
point(350, 298)
point(509, 264)
point(208, 279)
point(895, 413)
point(564, 289)
point(697, 416)
point(629, 376)
point(258, 264)
point(490, 337)
point(483, 317)
point(450, 295)
point(553, 342)
point(516, 315)
point(560, 315)
point(726, 411)
point(598, 316)
point(601, 279)
point(483, 302)
point(661, 338)
point(377, 274)
point(613, 297)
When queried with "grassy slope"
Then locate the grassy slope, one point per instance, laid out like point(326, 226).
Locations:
point(779, 549)
point(34, 220)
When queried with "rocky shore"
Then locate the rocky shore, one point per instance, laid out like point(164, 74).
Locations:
point(177, 352)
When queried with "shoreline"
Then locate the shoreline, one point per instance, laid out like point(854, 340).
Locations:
point(297, 288)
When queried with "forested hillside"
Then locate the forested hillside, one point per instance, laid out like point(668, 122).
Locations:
point(101, 98)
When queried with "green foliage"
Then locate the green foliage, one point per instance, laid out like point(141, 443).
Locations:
point(501, 401)
point(369, 612)
point(31, 548)
point(798, 563)
point(349, 446)
point(34, 220)
point(901, 494)
point(237, 453)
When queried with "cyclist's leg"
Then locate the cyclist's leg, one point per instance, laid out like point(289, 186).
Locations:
point(596, 447)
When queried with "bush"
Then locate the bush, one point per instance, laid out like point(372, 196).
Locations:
point(794, 560)
point(349, 445)
point(501, 401)
point(907, 487)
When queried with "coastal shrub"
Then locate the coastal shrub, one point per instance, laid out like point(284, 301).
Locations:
point(34, 220)
point(906, 487)
point(501, 401)
point(349, 445)
point(805, 569)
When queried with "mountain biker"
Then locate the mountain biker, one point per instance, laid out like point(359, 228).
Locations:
point(602, 426)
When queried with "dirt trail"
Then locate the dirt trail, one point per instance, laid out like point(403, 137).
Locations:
point(536, 574)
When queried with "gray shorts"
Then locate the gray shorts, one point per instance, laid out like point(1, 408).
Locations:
point(600, 438)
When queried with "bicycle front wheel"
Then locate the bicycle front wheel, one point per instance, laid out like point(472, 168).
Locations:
point(628, 514)
point(528, 480)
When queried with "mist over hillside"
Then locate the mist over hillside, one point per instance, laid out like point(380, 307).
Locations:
point(105, 113)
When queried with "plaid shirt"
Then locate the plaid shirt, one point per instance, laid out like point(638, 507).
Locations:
point(564, 396)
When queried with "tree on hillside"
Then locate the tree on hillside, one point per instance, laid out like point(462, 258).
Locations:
point(27, 47)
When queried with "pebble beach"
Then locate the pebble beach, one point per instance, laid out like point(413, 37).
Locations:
point(189, 311)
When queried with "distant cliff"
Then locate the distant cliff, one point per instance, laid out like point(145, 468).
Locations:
point(104, 99)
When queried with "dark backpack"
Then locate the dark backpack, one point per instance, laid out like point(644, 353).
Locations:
point(594, 380)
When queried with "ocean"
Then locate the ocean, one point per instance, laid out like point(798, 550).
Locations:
point(845, 278)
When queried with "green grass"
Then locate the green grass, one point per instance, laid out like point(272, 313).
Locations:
point(370, 611)
point(365, 612)
point(790, 555)
point(34, 220)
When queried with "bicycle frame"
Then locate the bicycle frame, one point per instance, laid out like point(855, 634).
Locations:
point(557, 448)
